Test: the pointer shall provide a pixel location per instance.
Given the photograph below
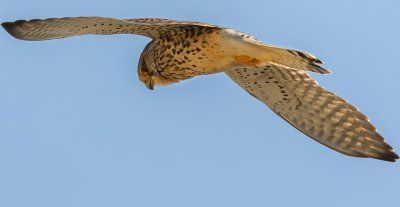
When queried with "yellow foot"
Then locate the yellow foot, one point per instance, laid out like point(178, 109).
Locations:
point(247, 60)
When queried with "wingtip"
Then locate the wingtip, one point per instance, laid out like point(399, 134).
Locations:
point(328, 71)
point(322, 70)
point(388, 156)
point(7, 25)
point(394, 156)
point(319, 61)
point(11, 28)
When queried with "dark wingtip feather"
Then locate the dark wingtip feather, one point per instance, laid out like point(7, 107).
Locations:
point(389, 156)
point(12, 28)
point(319, 61)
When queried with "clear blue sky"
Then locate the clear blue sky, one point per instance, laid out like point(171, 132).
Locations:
point(77, 127)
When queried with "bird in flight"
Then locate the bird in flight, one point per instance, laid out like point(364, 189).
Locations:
point(180, 50)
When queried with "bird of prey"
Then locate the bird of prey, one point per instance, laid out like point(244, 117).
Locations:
point(276, 76)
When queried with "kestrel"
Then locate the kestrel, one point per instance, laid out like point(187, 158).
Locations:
point(276, 76)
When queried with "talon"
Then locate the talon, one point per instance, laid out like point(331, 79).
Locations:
point(247, 60)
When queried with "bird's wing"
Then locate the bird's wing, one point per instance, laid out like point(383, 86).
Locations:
point(318, 113)
point(54, 28)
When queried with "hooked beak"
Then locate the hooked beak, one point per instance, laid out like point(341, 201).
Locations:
point(149, 83)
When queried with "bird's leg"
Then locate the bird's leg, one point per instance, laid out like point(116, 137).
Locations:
point(247, 60)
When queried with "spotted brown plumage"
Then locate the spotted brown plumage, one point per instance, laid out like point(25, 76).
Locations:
point(276, 76)
point(318, 113)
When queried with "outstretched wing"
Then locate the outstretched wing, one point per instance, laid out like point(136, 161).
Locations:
point(318, 113)
point(55, 28)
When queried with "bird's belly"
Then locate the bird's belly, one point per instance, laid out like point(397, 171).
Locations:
point(210, 63)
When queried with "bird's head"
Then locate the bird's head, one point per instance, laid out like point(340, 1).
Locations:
point(145, 73)
point(147, 69)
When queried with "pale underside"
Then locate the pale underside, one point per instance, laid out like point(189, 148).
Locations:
point(184, 49)
point(318, 113)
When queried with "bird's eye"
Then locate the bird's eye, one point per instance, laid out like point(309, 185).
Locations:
point(145, 69)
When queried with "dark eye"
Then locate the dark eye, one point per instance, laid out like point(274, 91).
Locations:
point(145, 69)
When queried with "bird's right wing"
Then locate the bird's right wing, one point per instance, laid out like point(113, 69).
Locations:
point(54, 28)
point(318, 113)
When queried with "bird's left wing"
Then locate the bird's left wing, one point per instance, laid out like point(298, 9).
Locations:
point(54, 28)
point(318, 113)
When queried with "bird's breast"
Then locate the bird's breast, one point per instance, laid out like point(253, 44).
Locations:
point(186, 55)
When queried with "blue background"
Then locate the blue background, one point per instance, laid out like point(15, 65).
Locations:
point(77, 127)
